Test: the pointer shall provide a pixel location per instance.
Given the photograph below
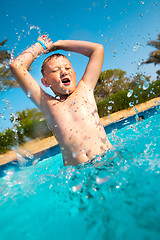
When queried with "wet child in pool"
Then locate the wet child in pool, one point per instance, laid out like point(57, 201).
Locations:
point(72, 114)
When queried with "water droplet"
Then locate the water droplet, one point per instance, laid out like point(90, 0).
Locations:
point(109, 107)
point(77, 188)
point(67, 91)
point(145, 85)
point(75, 154)
point(102, 180)
point(129, 94)
point(73, 102)
point(131, 104)
point(58, 97)
point(111, 101)
point(22, 131)
point(142, 2)
point(136, 46)
point(136, 110)
point(29, 94)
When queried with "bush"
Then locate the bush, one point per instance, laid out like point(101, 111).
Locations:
point(6, 140)
point(119, 101)
point(30, 126)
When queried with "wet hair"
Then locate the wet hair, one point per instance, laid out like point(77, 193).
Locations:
point(55, 55)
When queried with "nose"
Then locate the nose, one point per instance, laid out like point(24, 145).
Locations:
point(63, 72)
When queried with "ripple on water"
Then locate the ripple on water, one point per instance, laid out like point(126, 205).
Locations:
point(104, 199)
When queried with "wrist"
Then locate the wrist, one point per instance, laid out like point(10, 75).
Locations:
point(38, 48)
point(42, 44)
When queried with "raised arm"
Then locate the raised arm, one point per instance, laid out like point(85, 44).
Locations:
point(20, 67)
point(94, 51)
point(21, 64)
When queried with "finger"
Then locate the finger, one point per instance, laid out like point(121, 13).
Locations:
point(44, 37)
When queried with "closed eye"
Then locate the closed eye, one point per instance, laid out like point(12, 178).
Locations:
point(56, 69)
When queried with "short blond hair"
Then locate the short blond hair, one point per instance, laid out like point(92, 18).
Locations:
point(55, 55)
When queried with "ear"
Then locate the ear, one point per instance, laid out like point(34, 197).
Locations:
point(45, 82)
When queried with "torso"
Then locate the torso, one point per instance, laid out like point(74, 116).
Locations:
point(76, 125)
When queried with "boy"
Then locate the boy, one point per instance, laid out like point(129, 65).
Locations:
point(72, 114)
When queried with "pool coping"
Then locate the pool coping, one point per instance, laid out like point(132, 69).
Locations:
point(37, 147)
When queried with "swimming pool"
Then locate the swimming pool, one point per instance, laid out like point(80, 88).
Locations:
point(116, 197)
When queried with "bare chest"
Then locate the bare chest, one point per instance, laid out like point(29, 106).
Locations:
point(77, 112)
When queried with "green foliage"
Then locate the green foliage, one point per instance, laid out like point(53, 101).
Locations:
point(154, 56)
point(115, 80)
point(6, 140)
point(28, 124)
point(5, 73)
point(120, 100)
point(31, 123)
point(138, 80)
point(109, 82)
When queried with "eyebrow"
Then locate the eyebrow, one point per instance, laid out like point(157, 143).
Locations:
point(66, 65)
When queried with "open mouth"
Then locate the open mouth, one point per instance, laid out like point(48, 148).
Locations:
point(66, 81)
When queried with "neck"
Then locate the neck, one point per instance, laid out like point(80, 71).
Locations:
point(61, 97)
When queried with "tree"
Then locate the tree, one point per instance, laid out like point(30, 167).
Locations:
point(109, 82)
point(31, 123)
point(154, 56)
point(5, 73)
point(138, 80)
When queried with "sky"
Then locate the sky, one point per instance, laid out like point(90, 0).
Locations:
point(123, 27)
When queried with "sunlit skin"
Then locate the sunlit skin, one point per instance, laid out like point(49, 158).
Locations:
point(72, 114)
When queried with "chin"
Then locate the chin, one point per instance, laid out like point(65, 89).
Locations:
point(72, 90)
point(65, 91)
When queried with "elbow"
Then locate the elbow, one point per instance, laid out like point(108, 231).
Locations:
point(13, 66)
point(100, 50)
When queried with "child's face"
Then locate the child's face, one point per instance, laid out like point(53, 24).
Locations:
point(60, 76)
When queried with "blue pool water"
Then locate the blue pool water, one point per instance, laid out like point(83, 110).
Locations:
point(115, 198)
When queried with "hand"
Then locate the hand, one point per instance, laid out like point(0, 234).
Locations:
point(47, 42)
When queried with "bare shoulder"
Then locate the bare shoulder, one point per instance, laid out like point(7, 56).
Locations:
point(83, 93)
point(82, 86)
point(47, 101)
